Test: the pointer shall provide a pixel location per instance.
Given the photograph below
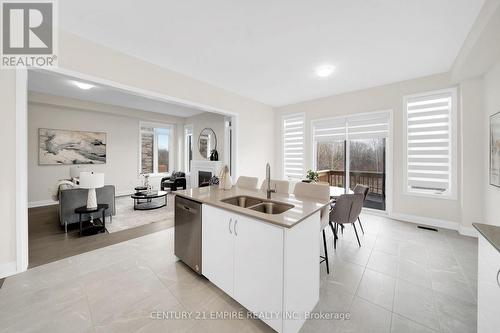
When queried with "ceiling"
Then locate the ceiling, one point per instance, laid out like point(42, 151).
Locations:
point(61, 85)
point(268, 50)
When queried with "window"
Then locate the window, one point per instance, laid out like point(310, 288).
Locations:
point(188, 147)
point(155, 148)
point(293, 147)
point(430, 124)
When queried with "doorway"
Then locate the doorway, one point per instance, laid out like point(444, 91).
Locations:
point(22, 188)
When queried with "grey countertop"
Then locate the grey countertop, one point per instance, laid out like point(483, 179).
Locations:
point(303, 206)
point(490, 232)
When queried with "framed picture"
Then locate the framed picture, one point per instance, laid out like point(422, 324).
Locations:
point(62, 147)
point(495, 149)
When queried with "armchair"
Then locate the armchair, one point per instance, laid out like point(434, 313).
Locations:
point(175, 181)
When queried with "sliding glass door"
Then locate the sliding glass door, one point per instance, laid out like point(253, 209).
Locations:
point(352, 150)
point(330, 162)
point(367, 167)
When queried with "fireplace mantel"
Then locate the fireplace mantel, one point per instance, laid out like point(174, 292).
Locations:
point(204, 165)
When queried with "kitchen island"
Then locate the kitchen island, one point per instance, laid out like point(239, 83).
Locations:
point(488, 277)
point(263, 253)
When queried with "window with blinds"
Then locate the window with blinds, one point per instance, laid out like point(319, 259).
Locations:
point(368, 126)
point(293, 147)
point(363, 126)
point(329, 135)
point(431, 143)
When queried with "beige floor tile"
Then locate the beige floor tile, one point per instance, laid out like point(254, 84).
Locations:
point(383, 263)
point(345, 275)
point(401, 324)
point(416, 303)
point(377, 288)
point(367, 317)
point(116, 288)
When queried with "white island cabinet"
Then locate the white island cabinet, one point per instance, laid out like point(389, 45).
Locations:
point(488, 283)
point(273, 271)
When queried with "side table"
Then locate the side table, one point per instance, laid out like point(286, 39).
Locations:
point(93, 228)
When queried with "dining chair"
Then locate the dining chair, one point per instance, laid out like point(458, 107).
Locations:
point(281, 186)
point(247, 182)
point(320, 192)
point(364, 190)
point(346, 211)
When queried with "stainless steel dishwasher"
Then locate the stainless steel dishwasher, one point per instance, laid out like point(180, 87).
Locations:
point(188, 232)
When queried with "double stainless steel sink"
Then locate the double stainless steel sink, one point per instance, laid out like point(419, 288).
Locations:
point(259, 205)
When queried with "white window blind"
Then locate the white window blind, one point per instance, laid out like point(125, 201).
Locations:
point(368, 126)
point(333, 129)
point(364, 126)
point(293, 147)
point(430, 143)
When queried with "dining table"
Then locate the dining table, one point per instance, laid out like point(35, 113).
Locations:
point(336, 192)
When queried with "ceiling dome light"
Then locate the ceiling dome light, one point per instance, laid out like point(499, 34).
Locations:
point(83, 85)
point(324, 70)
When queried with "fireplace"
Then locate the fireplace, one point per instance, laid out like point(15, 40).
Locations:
point(203, 170)
point(204, 178)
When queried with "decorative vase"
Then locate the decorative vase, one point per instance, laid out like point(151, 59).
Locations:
point(225, 181)
point(214, 155)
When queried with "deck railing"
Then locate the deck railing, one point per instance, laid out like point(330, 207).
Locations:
point(374, 180)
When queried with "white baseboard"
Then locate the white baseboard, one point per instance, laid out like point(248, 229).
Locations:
point(426, 221)
point(42, 203)
point(439, 223)
point(8, 269)
point(468, 231)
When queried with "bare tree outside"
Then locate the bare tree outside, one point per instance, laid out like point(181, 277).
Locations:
point(330, 155)
point(365, 155)
point(366, 166)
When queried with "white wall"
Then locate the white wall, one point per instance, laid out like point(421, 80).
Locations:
point(388, 97)
point(207, 120)
point(8, 173)
point(254, 144)
point(492, 106)
point(472, 158)
point(121, 126)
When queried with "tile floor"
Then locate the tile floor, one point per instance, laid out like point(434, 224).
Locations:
point(402, 279)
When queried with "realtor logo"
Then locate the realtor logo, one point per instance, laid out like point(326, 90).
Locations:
point(28, 34)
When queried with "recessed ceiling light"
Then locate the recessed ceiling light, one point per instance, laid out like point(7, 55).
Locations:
point(83, 85)
point(324, 70)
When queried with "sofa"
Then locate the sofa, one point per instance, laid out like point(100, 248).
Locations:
point(70, 199)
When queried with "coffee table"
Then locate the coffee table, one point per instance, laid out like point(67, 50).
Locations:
point(336, 192)
point(148, 201)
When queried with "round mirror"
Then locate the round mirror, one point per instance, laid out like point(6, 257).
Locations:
point(207, 141)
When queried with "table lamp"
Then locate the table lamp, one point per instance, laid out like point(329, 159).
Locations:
point(74, 172)
point(91, 181)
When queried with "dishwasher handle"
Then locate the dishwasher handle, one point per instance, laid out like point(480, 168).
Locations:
point(187, 209)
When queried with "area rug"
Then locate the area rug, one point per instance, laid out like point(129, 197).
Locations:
point(127, 218)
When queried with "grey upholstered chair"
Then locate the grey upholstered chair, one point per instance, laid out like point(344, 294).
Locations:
point(364, 190)
point(281, 186)
point(320, 192)
point(346, 211)
point(247, 182)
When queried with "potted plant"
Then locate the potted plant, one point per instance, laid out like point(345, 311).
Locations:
point(312, 176)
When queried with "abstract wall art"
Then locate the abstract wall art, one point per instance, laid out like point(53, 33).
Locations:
point(62, 147)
